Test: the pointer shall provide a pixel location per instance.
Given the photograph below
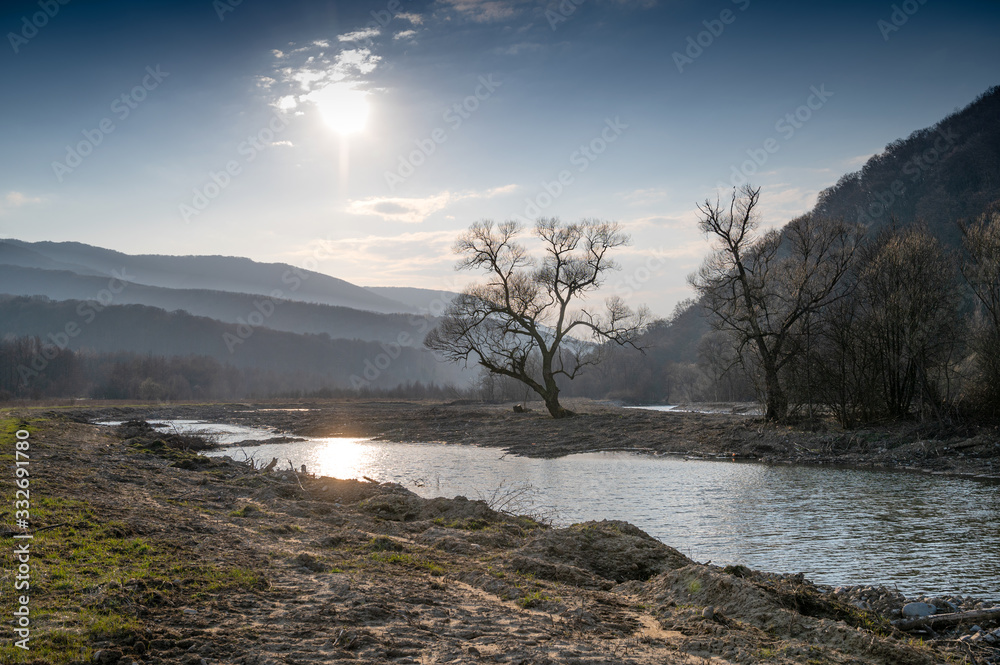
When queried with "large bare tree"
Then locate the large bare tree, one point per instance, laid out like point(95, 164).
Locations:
point(522, 322)
point(762, 287)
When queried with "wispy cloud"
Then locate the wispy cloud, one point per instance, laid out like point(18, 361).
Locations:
point(398, 209)
point(416, 210)
point(519, 48)
point(484, 11)
point(415, 19)
point(405, 34)
point(645, 196)
point(782, 202)
point(406, 259)
point(858, 162)
point(15, 199)
point(302, 73)
point(359, 35)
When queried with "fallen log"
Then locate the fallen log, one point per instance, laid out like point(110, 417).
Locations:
point(948, 619)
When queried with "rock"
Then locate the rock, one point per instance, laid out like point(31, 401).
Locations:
point(943, 605)
point(974, 630)
point(708, 613)
point(915, 610)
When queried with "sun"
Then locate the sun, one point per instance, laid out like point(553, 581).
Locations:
point(343, 107)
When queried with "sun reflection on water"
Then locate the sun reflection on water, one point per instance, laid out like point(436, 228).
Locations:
point(343, 458)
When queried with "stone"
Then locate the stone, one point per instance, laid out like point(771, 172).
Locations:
point(915, 610)
point(708, 613)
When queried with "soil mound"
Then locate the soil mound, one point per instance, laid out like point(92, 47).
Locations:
point(783, 606)
point(610, 549)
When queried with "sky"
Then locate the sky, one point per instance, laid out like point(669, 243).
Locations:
point(361, 138)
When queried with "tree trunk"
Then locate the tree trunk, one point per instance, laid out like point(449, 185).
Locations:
point(775, 401)
point(551, 391)
point(556, 409)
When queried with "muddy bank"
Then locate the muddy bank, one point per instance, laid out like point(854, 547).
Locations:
point(968, 451)
point(149, 553)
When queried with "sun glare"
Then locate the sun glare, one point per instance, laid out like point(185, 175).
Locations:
point(343, 458)
point(343, 108)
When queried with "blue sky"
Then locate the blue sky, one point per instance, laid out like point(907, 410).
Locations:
point(360, 138)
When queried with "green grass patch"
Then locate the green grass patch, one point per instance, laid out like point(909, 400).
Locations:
point(92, 580)
point(533, 599)
point(407, 560)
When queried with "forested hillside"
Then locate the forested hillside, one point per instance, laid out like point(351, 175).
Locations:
point(318, 360)
point(936, 176)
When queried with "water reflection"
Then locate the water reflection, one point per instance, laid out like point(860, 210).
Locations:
point(923, 533)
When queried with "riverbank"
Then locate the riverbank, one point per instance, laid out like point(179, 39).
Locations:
point(144, 552)
point(962, 451)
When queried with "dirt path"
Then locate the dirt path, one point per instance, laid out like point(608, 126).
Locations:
point(161, 556)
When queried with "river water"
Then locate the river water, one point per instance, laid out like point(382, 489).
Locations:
point(924, 534)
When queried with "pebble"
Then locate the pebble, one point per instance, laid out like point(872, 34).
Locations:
point(913, 610)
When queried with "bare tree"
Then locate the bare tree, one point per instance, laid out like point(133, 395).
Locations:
point(520, 322)
point(909, 301)
point(761, 286)
point(981, 269)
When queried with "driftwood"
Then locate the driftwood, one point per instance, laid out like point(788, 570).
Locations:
point(948, 619)
point(270, 467)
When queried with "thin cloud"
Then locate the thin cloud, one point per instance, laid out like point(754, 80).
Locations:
point(404, 259)
point(484, 11)
point(416, 210)
point(645, 196)
point(356, 36)
point(415, 19)
point(15, 199)
point(294, 84)
point(398, 209)
point(405, 34)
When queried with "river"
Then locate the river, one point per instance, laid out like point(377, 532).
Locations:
point(922, 533)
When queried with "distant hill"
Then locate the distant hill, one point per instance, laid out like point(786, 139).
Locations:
point(146, 330)
point(938, 175)
point(215, 273)
point(286, 315)
point(421, 300)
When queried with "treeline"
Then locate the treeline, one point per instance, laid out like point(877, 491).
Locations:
point(885, 325)
point(683, 360)
point(132, 376)
point(98, 326)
